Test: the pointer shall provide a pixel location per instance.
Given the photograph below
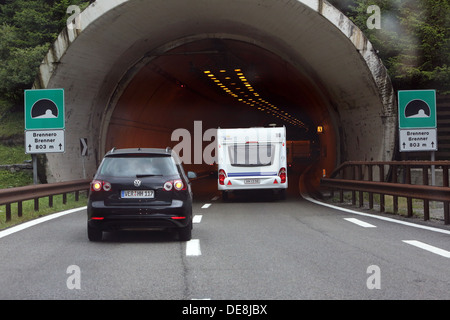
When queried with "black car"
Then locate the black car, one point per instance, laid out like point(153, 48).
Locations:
point(140, 189)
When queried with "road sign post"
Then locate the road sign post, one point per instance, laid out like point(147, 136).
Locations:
point(84, 153)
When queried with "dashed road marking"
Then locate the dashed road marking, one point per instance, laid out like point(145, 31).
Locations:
point(206, 205)
point(193, 248)
point(427, 247)
point(197, 218)
point(360, 223)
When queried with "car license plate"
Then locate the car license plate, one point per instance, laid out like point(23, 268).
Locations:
point(142, 194)
point(251, 181)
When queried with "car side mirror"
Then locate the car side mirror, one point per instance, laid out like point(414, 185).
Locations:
point(191, 175)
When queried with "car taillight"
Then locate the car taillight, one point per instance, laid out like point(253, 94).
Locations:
point(177, 185)
point(222, 176)
point(168, 186)
point(282, 175)
point(98, 185)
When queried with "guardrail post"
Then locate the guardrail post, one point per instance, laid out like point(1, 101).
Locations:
point(353, 168)
point(360, 193)
point(8, 212)
point(395, 180)
point(382, 204)
point(19, 209)
point(341, 191)
point(445, 176)
point(408, 198)
point(370, 177)
point(446, 204)
point(426, 203)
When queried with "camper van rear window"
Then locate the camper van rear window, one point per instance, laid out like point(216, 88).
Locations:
point(251, 154)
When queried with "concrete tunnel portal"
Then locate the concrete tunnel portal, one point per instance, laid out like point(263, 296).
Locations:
point(136, 71)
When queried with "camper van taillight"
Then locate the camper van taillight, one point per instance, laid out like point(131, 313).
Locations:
point(222, 176)
point(282, 175)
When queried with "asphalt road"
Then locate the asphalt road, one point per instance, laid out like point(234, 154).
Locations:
point(252, 247)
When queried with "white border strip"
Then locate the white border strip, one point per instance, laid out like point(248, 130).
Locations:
point(410, 224)
point(34, 222)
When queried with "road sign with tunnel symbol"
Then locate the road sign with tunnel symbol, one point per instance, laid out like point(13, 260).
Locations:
point(417, 120)
point(417, 109)
point(44, 121)
point(44, 109)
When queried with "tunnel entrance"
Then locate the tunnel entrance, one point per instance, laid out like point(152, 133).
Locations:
point(221, 83)
point(135, 71)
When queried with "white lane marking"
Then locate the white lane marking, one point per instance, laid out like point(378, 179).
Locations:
point(197, 218)
point(206, 205)
point(360, 223)
point(34, 222)
point(193, 248)
point(215, 198)
point(410, 224)
point(427, 247)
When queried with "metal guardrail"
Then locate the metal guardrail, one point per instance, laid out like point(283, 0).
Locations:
point(358, 176)
point(35, 192)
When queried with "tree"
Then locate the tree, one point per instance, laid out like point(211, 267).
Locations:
point(413, 42)
point(28, 28)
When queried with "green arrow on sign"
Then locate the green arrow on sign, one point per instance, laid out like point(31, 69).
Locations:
point(44, 109)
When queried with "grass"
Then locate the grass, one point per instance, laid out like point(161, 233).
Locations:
point(28, 212)
point(11, 124)
point(15, 179)
point(13, 154)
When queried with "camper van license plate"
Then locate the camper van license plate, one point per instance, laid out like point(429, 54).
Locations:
point(251, 181)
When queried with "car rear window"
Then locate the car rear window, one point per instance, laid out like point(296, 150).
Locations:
point(126, 166)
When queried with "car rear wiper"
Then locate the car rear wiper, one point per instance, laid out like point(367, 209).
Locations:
point(148, 175)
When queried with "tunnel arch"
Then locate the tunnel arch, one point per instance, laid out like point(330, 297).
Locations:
point(119, 38)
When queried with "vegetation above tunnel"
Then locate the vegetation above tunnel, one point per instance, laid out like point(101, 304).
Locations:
point(413, 40)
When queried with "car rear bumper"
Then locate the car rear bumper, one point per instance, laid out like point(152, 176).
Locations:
point(252, 183)
point(110, 218)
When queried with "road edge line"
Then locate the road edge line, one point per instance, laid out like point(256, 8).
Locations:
point(31, 223)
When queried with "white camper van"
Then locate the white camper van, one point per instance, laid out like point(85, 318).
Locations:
point(252, 158)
